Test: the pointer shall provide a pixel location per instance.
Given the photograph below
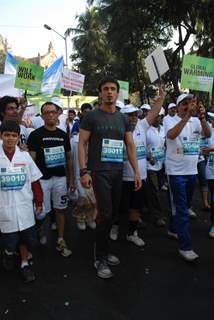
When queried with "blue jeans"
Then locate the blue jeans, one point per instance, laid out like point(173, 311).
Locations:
point(182, 188)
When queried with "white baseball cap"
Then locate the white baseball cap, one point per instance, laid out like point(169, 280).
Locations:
point(119, 104)
point(146, 106)
point(183, 96)
point(129, 108)
point(171, 105)
point(210, 114)
point(56, 100)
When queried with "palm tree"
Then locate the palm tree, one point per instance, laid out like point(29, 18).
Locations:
point(91, 52)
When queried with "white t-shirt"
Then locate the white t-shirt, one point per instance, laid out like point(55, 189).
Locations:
point(139, 136)
point(210, 161)
point(182, 152)
point(37, 122)
point(155, 140)
point(16, 205)
point(24, 134)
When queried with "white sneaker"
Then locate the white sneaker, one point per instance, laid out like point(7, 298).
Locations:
point(188, 255)
point(81, 226)
point(172, 235)
point(114, 232)
point(135, 239)
point(192, 214)
point(91, 224)
point(53, 226)
point(211, 232)
point(164, 187)
point(43, 240)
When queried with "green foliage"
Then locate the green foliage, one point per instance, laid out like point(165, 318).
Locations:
point(115, 36)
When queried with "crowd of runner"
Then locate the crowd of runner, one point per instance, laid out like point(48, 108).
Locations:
point(109, 159)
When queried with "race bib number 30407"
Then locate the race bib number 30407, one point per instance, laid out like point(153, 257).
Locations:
point(112, 151)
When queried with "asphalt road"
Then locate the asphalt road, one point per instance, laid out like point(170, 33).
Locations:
point(150, 283)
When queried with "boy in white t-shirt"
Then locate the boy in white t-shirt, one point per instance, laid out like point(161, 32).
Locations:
point(19, 186)
point(183, 146)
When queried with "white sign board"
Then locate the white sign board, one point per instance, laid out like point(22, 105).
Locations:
point(72, 81)
point(161, 64)
point(30, 112)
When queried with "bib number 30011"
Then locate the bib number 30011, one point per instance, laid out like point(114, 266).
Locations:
point(112, 151)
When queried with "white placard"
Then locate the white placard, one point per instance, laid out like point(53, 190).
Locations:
point(161, 63)
point(72, 81)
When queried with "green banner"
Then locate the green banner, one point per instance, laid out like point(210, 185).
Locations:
point(124, 89)
point(197, 73)
point(29, 76)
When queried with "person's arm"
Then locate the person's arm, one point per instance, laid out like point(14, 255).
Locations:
point(38, 195)
point(176, 130)
point(153, 113)
point(33, 155)
point(85, 178)
point(206, 151)
point(201, 116)
point(70, 171)
point(131, 151)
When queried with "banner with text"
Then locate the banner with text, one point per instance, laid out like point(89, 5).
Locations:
point(124, 90)
point(29, 76)
point(72, 81)
point(197, 73)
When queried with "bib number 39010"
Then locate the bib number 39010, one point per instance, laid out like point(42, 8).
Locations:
point(12, 178)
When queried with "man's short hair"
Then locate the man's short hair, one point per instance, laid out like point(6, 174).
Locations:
point(48, 104)
point(4, 101)
point(72, 111)
point(108, 79)
point(85, 106)
point(10, 126)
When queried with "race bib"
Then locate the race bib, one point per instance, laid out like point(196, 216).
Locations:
point(191, 146)
point(158, 153)
point(211, 160)
point(12, 178)
point(140, 151)
point(54, 157)
point(112, 151)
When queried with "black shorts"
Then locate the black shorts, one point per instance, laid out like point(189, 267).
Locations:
point(12, 240)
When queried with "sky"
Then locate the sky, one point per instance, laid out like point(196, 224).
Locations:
point(22, 24)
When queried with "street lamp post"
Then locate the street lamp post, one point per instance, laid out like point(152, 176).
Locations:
point(66, 50)
point(64, 38)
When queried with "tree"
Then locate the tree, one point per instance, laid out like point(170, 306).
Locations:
point(91, 54)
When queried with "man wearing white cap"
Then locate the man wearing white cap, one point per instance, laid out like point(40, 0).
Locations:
point(209, 151)
point(172, 109)
point(155, 139)
point(145, 109)
point(183, 146)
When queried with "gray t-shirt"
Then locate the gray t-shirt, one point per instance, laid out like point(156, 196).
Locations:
point(105, 149)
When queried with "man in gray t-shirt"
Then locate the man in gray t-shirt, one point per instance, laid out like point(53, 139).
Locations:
point(104, 131)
